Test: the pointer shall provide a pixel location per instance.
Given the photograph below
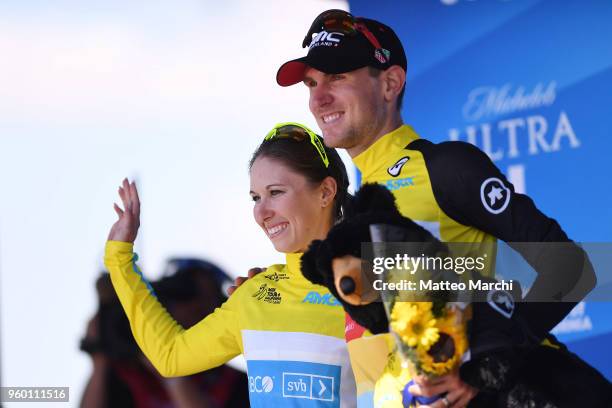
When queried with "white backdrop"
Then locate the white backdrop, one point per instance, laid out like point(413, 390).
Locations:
point(178, 95)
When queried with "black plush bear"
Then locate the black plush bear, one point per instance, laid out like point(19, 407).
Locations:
point(508, 364)
point(373, 204)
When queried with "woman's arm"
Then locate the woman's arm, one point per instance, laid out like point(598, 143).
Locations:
point(173, 350)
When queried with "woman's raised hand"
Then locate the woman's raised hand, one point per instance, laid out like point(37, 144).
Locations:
point(126, 227)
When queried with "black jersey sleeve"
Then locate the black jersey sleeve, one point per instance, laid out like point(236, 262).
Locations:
point(470, 189)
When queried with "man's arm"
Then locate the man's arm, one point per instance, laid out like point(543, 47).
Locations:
point(470, 189)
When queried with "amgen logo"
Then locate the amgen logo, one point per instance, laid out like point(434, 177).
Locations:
point(319, 299)
point(260, 384)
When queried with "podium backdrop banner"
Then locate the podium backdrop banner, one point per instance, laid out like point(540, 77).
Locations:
point(530, 83)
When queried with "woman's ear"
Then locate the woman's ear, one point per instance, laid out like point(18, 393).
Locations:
point(329, 189)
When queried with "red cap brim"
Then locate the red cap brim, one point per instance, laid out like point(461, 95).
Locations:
point(292, 72)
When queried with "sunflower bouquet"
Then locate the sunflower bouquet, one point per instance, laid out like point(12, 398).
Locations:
point(429, 326)
point(432, 335)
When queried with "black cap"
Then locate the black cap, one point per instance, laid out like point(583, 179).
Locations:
point(336, 53)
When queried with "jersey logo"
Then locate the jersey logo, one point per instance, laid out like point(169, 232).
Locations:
point(501, 301)
point(308, 386)
point(495, 196)
point(397, 167)
point(266, 294)
point(275, 277)
point(280, 383)
point(352, 329)
point(259, 384)
point(396, 184)
point(318, 299)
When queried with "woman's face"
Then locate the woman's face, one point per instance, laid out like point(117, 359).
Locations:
point(291, 210)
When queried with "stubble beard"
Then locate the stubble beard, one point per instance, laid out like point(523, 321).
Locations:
point(347, 139)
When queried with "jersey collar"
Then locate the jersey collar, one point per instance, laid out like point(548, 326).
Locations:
point(376, 156)
point(294, 263)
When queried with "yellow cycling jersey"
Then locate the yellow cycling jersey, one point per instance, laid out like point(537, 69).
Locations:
point(454, 191)
point(405, 173)
point(290, 331)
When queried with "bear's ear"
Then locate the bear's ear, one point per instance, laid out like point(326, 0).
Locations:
point(309, 263)
point(374, 197)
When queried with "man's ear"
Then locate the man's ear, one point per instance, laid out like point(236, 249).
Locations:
point(329, 189)
point(394, 79)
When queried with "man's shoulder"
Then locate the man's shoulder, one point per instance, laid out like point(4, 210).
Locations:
point(448, 150)
point(451, 158)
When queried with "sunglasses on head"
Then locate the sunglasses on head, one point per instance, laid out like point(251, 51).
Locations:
point(298, 132)
point(344, 22)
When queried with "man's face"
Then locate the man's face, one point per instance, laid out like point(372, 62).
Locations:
point(349, 108)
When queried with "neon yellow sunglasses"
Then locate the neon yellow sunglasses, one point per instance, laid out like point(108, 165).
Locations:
point(296, 131)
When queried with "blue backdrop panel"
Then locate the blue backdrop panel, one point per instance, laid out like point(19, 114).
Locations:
point(530, 83)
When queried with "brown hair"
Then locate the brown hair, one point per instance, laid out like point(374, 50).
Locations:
point(303, 158)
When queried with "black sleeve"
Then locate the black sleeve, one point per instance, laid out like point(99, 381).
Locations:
point(470, 189)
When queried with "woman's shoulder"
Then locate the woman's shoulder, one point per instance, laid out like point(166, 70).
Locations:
point(272, 274)
point(274, 268)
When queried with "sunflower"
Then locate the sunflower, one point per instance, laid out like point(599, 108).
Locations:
point(453, 320)
point(415, 324)
point(445, 354)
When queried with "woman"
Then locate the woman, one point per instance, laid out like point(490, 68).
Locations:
point(290, 331)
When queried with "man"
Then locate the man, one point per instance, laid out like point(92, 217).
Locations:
point(355, 71)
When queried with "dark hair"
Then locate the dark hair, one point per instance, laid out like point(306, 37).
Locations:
point(375, 72)
point(181, 277)
point(303, 158)
point(184, 286)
